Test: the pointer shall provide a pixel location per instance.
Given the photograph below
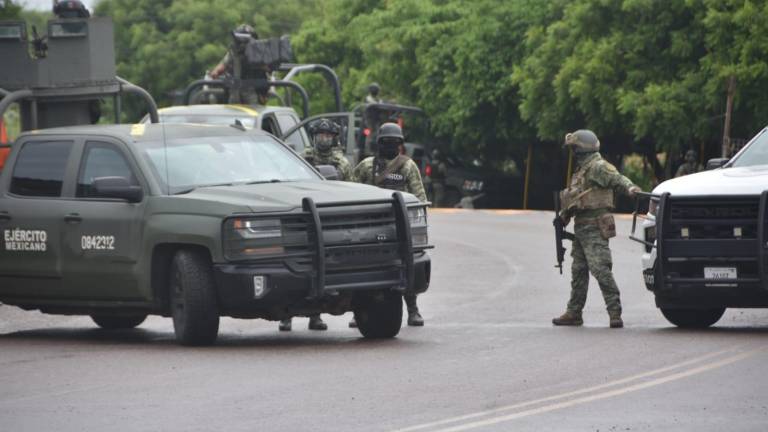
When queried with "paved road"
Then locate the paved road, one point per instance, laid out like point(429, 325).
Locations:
point(487, 360)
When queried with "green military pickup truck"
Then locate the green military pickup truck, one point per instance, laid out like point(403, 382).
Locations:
point(196, 222)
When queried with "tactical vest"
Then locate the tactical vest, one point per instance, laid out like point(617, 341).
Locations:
point(390, 174)
point(580, 197)
point(242, 69)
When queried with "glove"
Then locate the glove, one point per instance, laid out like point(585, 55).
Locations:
point(633, 191)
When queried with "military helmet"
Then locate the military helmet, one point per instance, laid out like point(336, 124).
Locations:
point(325, 125)
point(373, 88)
point(247, 29)
point(583, 141)
point(390, 130)
point(70, 9)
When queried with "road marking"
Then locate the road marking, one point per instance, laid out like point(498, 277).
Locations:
point(570, 394)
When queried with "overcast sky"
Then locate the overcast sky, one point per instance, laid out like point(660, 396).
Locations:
point(48, 4)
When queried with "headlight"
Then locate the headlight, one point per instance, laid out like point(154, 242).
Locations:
point(252, 238)
point(258, 228)
point(418, 217)
point(652, 206)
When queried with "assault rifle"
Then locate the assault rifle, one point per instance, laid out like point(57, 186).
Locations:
point(560, 233)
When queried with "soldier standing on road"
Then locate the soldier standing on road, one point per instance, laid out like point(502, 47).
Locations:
point(690, 166)
point(325, 134)
point(235, 64)
point(437, 178)
point(589, 200)
point(390, 169)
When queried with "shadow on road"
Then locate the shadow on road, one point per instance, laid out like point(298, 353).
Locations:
point(149, 338)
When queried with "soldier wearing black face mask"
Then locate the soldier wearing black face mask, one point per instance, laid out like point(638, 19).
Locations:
point(390, 169)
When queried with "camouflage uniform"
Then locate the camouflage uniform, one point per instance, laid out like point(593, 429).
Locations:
point(589, 200)
point(244, 95)
point(690, 166)
point(405, 178)
point(335, 157)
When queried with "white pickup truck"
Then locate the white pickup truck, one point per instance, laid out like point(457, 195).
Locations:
point(705, 239)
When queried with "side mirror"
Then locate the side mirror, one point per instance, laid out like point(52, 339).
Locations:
point(716, 163)
point(328, 171)
point(117, 187)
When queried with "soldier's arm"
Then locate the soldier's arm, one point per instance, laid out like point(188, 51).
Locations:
point(222, 67)
point(358, 174)
point(345, 168)
point(607, 176)
point(415, 185)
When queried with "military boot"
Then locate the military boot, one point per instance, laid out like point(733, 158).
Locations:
point(568, 319)
point(414, 317)
point(317, 323)
point(285, 325)
point(615, 320)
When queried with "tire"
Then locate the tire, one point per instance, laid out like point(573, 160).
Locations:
point(693, 318)
point(380, 316)
point(193, 299)
point(118, 322)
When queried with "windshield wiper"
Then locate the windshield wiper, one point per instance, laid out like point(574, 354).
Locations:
point(190, 189)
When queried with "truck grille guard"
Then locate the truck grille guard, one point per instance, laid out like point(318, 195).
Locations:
point(315, 250)
point(666, 247)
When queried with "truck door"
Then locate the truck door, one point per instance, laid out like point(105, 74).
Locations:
point(31, 211)
point(298, 141)
point(102, 236)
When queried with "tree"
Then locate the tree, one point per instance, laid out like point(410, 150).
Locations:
point(9, 10)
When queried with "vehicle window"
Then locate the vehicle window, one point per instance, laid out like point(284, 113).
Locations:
point(101, 160)
point(756, 153)
point(270, 126)
point(247, 122)
point(295, 140)
point(188, 163)
point(40, 167)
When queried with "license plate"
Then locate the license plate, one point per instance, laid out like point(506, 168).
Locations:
point(719, 273)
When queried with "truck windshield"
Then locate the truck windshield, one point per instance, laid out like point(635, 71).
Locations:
point(189, 163)
point(756, 153)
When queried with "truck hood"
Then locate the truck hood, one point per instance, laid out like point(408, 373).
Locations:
point(286, 196)
point(751, 180)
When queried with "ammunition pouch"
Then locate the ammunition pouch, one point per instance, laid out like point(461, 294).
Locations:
point(607, 226)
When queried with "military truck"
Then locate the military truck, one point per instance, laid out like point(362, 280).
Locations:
point(705, 239)
point(196, 222)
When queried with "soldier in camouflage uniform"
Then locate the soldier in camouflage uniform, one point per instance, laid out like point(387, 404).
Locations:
point(325, 134)
point(327, 150)
point(589, 200)
point(390, 169)
point(235, 65)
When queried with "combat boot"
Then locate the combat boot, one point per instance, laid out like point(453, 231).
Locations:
point(285, 325)
point(317, 323)
point(414, 318)
point(615, 320)
point(568, 319)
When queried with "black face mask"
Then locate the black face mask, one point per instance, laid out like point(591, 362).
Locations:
point(389, 150)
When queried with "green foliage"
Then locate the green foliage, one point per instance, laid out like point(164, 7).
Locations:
point(9, 10)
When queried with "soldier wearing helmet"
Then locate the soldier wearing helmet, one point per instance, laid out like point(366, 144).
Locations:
point(373, 93)
point(589, 200)
point(234, 64)
point(326, 151)
point(70, 9)
point(390, 169)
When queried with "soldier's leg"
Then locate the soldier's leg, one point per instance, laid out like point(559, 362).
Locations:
point(579, 282)
point(414, 317)
point(601, 266)
point(579, 277)
point(317, 323)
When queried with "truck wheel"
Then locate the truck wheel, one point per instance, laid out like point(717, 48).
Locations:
point(193, 299)
point(693, 318)
point(118, 322)
point(380, 316)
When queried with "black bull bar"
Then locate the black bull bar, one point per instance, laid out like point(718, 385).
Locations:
point(702, 248)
